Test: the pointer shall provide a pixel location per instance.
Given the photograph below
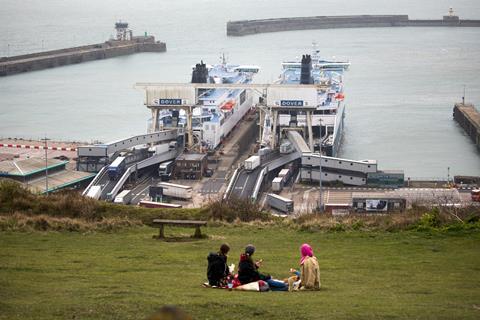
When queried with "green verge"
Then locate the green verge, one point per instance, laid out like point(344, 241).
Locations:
point(128, 275)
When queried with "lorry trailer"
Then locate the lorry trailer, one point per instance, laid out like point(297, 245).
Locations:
point(95, 192)
point(176, 190)
point(159, 148)
point(252, 163)
point(280, 203)
point(475, 195)
point(116, 168)
point(277, 184)
point(123, 197)
point(152, 204)
point(165, 170)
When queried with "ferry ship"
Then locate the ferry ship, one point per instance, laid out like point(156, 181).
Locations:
point(327, 119)
point(217, 110)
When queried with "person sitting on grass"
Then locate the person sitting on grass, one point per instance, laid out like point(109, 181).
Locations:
point(217, 270)
point(248, 271)
point(309, 269)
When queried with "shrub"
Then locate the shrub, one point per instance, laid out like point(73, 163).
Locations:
point(234, 208)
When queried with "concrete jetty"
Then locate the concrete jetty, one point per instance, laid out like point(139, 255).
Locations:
point(123, 44)
point(62, 57)
point(469, 119)
point(246, 27)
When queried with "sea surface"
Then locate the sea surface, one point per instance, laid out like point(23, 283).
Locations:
point(400, 89)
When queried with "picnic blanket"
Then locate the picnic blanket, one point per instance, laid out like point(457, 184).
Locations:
point(258, 286)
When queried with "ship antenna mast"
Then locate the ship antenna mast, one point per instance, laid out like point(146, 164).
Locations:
point(223, 59)
point(316, 52)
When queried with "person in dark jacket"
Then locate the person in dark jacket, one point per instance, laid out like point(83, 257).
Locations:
point(217, 270)
point(248, 271)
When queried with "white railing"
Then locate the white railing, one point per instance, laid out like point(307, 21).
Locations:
point(231, 183)
point(95, 180)
point(112, 194)
point(258, 184)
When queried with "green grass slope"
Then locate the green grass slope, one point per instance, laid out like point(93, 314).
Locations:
point(128, 275)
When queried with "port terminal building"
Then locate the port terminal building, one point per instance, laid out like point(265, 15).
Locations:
point(33, 173)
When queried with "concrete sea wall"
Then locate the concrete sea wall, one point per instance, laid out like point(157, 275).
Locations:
point(469, 119)
point(62, 57)
point(246, 27)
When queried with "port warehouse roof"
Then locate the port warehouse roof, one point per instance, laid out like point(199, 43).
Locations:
point(59, 180)
point(30, 169)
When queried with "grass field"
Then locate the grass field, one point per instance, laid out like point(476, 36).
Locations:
point(128, 275)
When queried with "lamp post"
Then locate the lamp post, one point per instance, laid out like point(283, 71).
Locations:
point(320, 202)
point(46, 163)
point(448, 176)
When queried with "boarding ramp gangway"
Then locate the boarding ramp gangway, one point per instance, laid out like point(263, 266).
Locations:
point(153, 160)
point(298, 142)
point(282, 160)
point(347, 171)
point(95, 180)
point(351, 178)
point(231, 184)
point(258, 184)
point(106, 149)
point(340, 164)
point(247, 185)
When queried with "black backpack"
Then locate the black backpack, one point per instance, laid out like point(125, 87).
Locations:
point(217, 268)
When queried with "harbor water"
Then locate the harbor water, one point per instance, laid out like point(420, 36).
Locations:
point(400, 89)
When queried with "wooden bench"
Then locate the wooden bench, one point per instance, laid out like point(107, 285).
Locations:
point(160, 223)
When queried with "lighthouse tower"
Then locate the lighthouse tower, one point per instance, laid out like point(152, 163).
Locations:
point(452, 17)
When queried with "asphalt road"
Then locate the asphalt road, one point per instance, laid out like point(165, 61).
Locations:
point(245, 184)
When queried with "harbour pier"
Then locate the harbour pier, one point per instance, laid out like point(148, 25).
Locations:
point(247, 27)
point(469, 119)
point(124, 43)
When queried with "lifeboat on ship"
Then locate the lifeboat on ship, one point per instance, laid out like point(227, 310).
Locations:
point(339, 96)
point(228, 106)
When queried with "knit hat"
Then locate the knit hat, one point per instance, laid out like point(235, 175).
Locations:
point(250, 249)
point(306, 251)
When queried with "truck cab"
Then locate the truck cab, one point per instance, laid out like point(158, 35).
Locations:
point(475, 195)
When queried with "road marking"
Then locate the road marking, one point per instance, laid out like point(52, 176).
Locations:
point(140, 193)
point(18, 168)
point(243, 187)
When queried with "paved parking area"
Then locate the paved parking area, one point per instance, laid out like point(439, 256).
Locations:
point(306, 197)
point(212, 186)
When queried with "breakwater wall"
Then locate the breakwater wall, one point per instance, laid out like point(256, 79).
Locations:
point(246, 27)
point(469, 119)
point(62, 57)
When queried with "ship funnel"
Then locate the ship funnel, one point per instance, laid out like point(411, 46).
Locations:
point(306, 72)
point(200, 73)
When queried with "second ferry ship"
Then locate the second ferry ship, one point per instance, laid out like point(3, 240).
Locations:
point(217, 110)
point(327, 119)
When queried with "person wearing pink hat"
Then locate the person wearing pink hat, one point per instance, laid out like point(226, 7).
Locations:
point(309, 269)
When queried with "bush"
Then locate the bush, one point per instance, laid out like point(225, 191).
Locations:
point(236, 209)
point(13, 196)
point(101, 215)
point(428, 221)
point(25, 223)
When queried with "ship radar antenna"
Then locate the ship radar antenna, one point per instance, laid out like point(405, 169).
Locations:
point(316, 52)
point(223, 59)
